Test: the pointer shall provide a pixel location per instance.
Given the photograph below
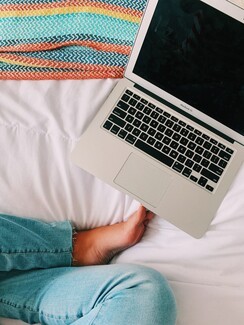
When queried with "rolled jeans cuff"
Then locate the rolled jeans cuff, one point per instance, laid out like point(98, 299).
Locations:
point(30, 244)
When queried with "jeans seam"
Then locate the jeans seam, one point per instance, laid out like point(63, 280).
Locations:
point(14, 305)
point(75, 317)
point(95, 316)
point(9, 303)
point(31, 251)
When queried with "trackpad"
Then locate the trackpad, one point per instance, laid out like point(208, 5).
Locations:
point(144, 180)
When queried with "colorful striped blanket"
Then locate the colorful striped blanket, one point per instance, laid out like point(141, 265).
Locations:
point(73, 39)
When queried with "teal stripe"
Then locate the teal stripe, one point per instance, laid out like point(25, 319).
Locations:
point(58, 25)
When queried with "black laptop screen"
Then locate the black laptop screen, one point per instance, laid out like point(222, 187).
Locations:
point(196, 53)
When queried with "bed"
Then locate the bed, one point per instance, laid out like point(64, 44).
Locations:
point(40, 123)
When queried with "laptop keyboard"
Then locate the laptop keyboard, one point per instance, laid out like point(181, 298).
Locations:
point(168, 139)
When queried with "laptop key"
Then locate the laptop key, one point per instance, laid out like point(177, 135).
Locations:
point(159, 110)
point(209, 188)
point(123, 105)
point(125, 98)
point(216, 159)
point(186, 172)
point(199, 141)
point(143, 136)
point(147, 110)
point(151, 141)
point(151, 131)
point(173, 154)
point(197, 158)
point(221, 146)
point(122, 134)
point(192, 136)
point(158, 145)
point(136, 96)
point(154, 153)
point(129, 127)
point(119, 112)
point(213, 177)
point(181, 159)
point(159, 136)
point(129, 118)
point(133, 102)
point(116, 120)
point(161, 119)
point(207, 145)
point(161, 128)
point(222, 163)
point(207, 154)
point(139, 115)
point(189, 163)
point(115, 129)
point(178, 167)
point(166, 114)
point(129, 92)
point(168, 132)
point(202, 181)
point(182, 123)
point(193, 178)
point(136, 123)
point(224, 155)
point(230, 151)
point(136, 132)
point(140, 106)
point(166, 149)
point(206, 137)
point(130, 138)
point(174, 145)
point(107, 125)
point(189, 127)
point(182, 149)
point(132, 111)
point(144, 127)
point(154, 115)
point(169, 123)
point(177, 128)
point(144, 101)
point(189, 153)
point(197, 168)
point(217, 170)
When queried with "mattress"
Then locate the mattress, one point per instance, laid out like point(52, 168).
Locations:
point(40, 123)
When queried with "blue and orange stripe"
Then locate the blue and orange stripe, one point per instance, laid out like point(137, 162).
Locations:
point(56, 39)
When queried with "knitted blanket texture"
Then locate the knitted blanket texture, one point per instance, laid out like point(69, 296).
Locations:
point(74, 39)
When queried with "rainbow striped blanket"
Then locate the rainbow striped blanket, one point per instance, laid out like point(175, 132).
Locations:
point(73, 39)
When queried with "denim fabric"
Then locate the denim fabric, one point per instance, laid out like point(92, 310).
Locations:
point(27, 243)
point(92, 295)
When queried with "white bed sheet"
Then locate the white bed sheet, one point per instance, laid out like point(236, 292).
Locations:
point(40, 123)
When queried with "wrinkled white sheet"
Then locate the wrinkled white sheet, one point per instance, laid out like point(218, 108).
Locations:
point(40, 123)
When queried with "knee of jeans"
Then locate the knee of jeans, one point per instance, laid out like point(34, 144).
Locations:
point(153, 285)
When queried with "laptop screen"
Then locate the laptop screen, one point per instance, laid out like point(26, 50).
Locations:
point(196, 53)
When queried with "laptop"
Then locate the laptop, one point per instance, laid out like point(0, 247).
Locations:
point(171, 133)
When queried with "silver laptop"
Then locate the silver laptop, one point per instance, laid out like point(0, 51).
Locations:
point(171, 133)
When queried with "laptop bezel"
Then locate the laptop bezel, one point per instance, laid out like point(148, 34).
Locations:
point(226, 7)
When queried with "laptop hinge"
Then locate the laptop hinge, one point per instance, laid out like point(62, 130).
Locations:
point(175, 108)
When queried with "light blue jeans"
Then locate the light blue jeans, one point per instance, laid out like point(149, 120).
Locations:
point(38, 284)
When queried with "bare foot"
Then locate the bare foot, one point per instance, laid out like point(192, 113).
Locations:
point(99, 245)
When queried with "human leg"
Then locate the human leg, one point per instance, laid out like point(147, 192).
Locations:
point(27, 243)
point(93, 295)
